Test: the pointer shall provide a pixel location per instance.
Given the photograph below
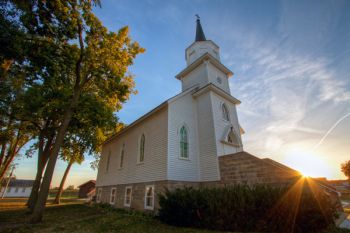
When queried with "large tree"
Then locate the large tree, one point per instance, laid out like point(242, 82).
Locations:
point(345, 168)
point(74, 54)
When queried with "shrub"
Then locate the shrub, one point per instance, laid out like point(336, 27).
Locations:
point(296, 208)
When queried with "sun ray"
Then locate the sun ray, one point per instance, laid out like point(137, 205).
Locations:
point(292, 196)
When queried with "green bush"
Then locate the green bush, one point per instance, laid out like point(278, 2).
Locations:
point(248, 208)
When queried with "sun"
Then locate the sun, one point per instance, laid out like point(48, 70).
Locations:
point(308, 163)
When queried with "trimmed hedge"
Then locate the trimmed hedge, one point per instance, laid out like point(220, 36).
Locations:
point(248, 208)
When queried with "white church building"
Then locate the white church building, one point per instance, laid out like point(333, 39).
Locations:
point(192, 139)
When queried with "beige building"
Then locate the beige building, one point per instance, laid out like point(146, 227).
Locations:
point(193, 138)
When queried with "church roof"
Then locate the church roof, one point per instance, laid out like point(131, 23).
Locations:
point(18, 182)
point(199, 31)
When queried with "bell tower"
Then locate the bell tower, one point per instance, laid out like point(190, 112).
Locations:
point(203, 64)
point(201, 46)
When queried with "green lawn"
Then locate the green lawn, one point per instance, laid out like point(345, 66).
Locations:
point(74, 216)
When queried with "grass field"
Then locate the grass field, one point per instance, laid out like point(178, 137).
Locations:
point(75, 216)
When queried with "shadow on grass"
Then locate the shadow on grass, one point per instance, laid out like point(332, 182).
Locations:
point(77, 217)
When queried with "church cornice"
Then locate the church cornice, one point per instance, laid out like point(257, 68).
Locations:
point(218, 91)
point(139, 120)
point(199, 61)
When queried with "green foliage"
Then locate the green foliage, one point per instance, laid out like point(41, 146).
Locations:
point(345, 168)
point(53, 51)
point(68, 74)
point(70, 187)
point(246, 208)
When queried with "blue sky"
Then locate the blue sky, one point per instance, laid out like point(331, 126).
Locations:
point(291, 64)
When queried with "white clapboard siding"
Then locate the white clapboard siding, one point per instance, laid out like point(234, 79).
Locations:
point(198, 76)
point(182, 112)
point(214, 74)
point(154, 166)
point(16, 191)
point(221, 125)
point(209, 168)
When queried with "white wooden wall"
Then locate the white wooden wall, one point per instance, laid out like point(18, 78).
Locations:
point(154, 167)
point(16, 191)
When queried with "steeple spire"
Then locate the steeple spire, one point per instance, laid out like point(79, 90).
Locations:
point(199, 31)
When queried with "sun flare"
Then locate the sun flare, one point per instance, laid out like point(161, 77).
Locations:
point(308, 163)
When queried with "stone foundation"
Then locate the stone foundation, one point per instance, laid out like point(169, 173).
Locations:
point(138, 193)
point(239, 168)
point(245, 168)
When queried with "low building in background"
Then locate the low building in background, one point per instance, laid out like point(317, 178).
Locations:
point(87, 190)
point(16, 188)
point(342, 186)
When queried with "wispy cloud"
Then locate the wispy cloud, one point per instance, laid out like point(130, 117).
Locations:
point(281, 90)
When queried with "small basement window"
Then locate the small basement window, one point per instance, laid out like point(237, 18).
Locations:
point(112, 198)
point(128, 192)
point(149, 197)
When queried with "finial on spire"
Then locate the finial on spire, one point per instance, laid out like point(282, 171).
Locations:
point(199, 31)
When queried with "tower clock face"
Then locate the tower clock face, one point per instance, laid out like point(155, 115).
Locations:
point(219, 80)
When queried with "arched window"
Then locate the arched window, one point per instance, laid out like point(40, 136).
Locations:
point(108, 160)
point(142, 149)
point(229, 138)
point(122, 156)
point(183, 143)
point(232, 138)
point(225, 112)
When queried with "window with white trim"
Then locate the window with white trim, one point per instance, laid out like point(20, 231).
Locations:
point(232, 138)
point(122, 153)
point(108, 161)
point(23, 189)
point(128, 194)
point(225, 112)
point(142, 149)
point(112, 197)
point(16, 190)
point(149, 197)
point(183, 143)
point(98, 196)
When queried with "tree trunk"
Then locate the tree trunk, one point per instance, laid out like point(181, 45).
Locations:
point(9, 158)
point(2, 153)
point(43, 155)
point(45, 185)
point(60, 190)
point(36, 185)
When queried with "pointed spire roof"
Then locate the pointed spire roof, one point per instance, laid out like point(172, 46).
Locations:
point(199, 31)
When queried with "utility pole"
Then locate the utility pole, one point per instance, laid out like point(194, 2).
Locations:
point(8, 181)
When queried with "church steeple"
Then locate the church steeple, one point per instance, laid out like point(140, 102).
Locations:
point(199, 31)
point(201, 46)
point(203, 64)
